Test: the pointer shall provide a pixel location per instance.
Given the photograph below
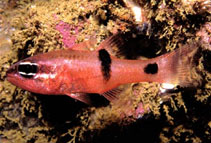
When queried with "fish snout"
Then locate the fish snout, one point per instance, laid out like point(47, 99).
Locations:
point(11, 71)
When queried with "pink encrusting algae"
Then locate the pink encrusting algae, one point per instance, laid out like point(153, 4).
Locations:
point(64, 29)
point(205, 35)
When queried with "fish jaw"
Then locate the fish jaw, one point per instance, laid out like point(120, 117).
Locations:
point(12, 75)
point(18, 81)
point(32, 85)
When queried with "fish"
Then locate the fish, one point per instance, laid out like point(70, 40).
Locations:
point(77, 72)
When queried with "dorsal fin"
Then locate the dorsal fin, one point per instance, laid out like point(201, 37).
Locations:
point(87, 45)
point(113, 44)
point(111, 95)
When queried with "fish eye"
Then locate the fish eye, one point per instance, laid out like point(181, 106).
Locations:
point(27, 69)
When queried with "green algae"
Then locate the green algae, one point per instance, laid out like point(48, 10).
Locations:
point(23, 115)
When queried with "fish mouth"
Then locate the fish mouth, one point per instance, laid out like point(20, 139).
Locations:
point(11, 73)
point(11, 70)
point(13, 78)
point(10, 77)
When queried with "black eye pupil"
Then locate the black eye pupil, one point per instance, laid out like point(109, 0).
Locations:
point(27, 70)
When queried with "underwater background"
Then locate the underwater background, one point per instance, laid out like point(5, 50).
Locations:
point(142, 113)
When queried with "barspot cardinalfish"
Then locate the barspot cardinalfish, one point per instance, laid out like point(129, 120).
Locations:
point(78, 72)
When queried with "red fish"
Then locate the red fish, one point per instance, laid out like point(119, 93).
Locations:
point(77, 72)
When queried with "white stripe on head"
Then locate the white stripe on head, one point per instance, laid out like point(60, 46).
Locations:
point(28, 63)
point(45, 75)
point(23, 73)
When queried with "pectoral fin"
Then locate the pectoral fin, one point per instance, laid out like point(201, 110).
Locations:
point(83, 97)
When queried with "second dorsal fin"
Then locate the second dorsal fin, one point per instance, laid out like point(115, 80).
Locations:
point(113, 44)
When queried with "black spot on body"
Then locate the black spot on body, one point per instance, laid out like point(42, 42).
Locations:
point(105, 59)
point(151, 68)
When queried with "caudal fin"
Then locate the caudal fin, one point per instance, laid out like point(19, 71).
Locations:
point(185, 61)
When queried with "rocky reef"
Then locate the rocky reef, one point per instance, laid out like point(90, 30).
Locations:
point(144, 112)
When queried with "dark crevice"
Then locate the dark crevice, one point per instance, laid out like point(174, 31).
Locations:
point(22, 53)
point(206, 62)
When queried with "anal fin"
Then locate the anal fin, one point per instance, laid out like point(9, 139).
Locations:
point(111, 95)
point(83, 97)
